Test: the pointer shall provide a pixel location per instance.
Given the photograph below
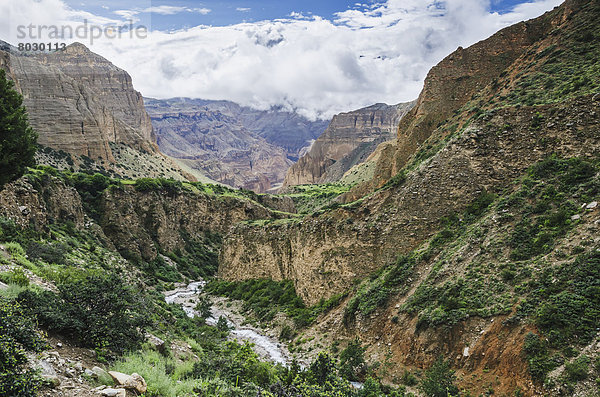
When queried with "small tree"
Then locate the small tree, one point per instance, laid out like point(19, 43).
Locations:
point(17, 138)
point(352, 360)
point(439, 380)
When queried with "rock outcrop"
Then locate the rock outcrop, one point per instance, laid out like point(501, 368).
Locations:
point(78, 101)
point(137, 224)
point(451, 84)
point(86, 112)
point(348, 140)
point(231, 144)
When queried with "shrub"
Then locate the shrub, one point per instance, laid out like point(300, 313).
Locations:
point(18, 335)
point(578, 369)
point(439, 380)
point(96, 311)
point(50, 253)
point(352, 361)
point(16, 277)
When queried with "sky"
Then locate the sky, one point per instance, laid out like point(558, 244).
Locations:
point(317, 58)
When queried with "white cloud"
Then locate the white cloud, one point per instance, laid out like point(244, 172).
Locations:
point(243, 9)
point(161, 10)
point(380, 52)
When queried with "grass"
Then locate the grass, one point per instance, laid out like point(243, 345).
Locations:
point(165, 376)
point(265, 298)
point(393, 280)
point(311, 198)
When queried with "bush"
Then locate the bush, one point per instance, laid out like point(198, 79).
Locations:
point(16, 277)
point(265, 297)
point(439, 380)
point(170, 186)
point(96, 311)
point(578, 369)
point(18, 335)
point(49, 253)
point(352, 361)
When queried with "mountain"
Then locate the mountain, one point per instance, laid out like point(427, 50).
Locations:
point(232, 144)
point(348, 140)
point(86, 112)
point(468, 263)
point(469, 238)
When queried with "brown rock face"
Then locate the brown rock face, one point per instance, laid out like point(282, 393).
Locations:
point(324, 254)
point(136, 223)
point(79, 102)
point(41, 205)
point(350, 138)
point(142, 223)
point(450, 84)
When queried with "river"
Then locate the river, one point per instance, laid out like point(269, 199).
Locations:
point(265, 346)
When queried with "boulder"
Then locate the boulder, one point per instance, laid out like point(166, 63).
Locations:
point(119, 377)
point(48, 373)
point(133, 381)
point(99, 372)
point(136, 382)
point(157, 343)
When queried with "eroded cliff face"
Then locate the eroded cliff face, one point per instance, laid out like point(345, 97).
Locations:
point(324, 254)
point(232, 144)
point(137, 224)
point(86, 112)
point(144, 223)
point(79, 102)
point(348, 140)
point(450, 85)
point(220, 147)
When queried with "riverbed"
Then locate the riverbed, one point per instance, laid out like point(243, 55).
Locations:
point(266, 347)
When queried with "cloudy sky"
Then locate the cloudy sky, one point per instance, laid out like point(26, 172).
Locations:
point(318, 57)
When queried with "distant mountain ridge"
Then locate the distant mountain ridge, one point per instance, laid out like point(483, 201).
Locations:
point(229, 143)
point(348, 140)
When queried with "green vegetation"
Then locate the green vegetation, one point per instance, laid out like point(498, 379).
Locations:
point(352, 361)
point(18, 335)
point(393, 280)
point(95, 311)
point(545, 204)
point(566, 69)
point(265, 298)
point(439, 380)
point(17, 138)
point(311, 198)
point(169, 186)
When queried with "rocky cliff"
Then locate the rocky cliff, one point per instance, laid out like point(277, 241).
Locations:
point(85, 111)
point(139, 224)
point(232, 144)
point(324, 254)
point(450, 85)
point(348, 140)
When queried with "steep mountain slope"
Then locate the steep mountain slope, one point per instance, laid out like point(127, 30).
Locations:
point(493, 178)
point(348, 140)
point(86, 112)
point(232, 144)
point(450, 85)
